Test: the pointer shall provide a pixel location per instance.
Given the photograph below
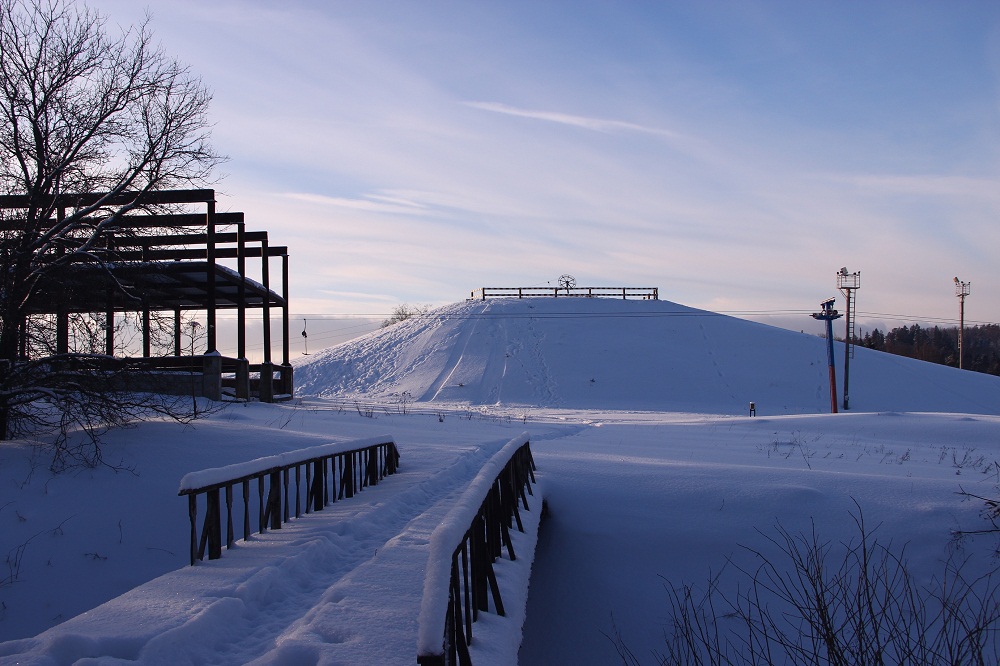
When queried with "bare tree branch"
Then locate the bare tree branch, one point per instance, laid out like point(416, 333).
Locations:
point(82, 110)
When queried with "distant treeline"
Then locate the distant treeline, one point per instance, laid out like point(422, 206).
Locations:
point(980, 347)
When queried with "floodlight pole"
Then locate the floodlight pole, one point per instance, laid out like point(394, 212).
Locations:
point(828, 314)
point(962, 289)
point(847, 283)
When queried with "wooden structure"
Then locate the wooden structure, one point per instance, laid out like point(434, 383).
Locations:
point(635, 293)
point(332, 472)
point(147, 262)
point(444, 639)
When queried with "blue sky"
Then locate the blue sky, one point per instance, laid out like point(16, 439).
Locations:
point(733, 154)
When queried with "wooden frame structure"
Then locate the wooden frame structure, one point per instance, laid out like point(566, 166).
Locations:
point(149, 262)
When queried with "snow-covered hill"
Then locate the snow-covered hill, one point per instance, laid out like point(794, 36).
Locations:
point(582, 353)
point(652, 471)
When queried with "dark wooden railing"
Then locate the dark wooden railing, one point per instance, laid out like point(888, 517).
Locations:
point(460, 578)
point(305, 480)
point(639, 293)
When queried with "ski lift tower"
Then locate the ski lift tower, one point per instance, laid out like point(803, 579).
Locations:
point(962, 289)
point(847, 283)
point(828, 314)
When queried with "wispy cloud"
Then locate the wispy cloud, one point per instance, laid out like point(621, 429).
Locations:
point(594, 124)
point(673, 145)
point(373, 203)
point(931, 184)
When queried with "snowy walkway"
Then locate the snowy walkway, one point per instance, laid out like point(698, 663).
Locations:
point(340, 586)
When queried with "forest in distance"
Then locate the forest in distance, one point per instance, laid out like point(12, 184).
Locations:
point(980, 346)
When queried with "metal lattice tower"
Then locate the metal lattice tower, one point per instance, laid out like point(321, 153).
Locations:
point(847, 282)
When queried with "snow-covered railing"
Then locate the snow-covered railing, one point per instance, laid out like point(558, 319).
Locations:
point(639, 293)
point(460, 578)
point(332, 472)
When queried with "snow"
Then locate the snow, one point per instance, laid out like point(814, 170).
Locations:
point(219, 475)
point(446, 538)
point(652, 472)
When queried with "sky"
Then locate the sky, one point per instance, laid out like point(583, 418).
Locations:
point(734, 154)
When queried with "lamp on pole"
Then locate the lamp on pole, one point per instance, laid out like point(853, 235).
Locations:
point(962, 289)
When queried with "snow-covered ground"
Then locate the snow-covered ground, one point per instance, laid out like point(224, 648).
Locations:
point(651, 468)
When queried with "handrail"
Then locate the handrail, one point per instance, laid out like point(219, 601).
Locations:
point(332, 472)
point(641, 293)
point(460, 578)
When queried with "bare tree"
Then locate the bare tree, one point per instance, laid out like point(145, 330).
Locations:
point(803, 599)
point(403, 312)
point(83, 111)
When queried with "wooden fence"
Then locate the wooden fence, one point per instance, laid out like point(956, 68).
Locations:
point(305, 480)
point(635, 293)
point(460, 578)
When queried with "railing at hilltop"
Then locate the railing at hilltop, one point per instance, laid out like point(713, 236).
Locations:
point(636, 293)
point(460, 578)
point(332, 472)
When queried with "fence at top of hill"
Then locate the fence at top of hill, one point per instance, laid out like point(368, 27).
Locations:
point(635, 293)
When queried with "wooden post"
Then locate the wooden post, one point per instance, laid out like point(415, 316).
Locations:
point(265, 389)
point(229, 517)
point(298, 492)
point(347, 481)
point(146, 345)
point(274, 501)
point(210, 253)
point(285, 352)
point(284, 478)
point(62, 329)
point(241, 294)
point(109, 323)
point(193, 515)
point(213, 524)
point(261, 512)
point(317, 485)
point(177, 331)
point(246, 509)
point(266, 280)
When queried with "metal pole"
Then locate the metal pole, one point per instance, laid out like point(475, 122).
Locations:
point(833, 370)
point(828, 314)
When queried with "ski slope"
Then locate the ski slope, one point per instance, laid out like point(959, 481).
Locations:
point(594, 354)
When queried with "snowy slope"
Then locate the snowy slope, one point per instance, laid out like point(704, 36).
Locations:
point(652, 473)
point(580, 353)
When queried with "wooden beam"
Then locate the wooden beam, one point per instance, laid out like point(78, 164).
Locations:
point(151, 198)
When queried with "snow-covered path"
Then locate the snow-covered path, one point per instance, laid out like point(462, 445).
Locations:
point(295, 595)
